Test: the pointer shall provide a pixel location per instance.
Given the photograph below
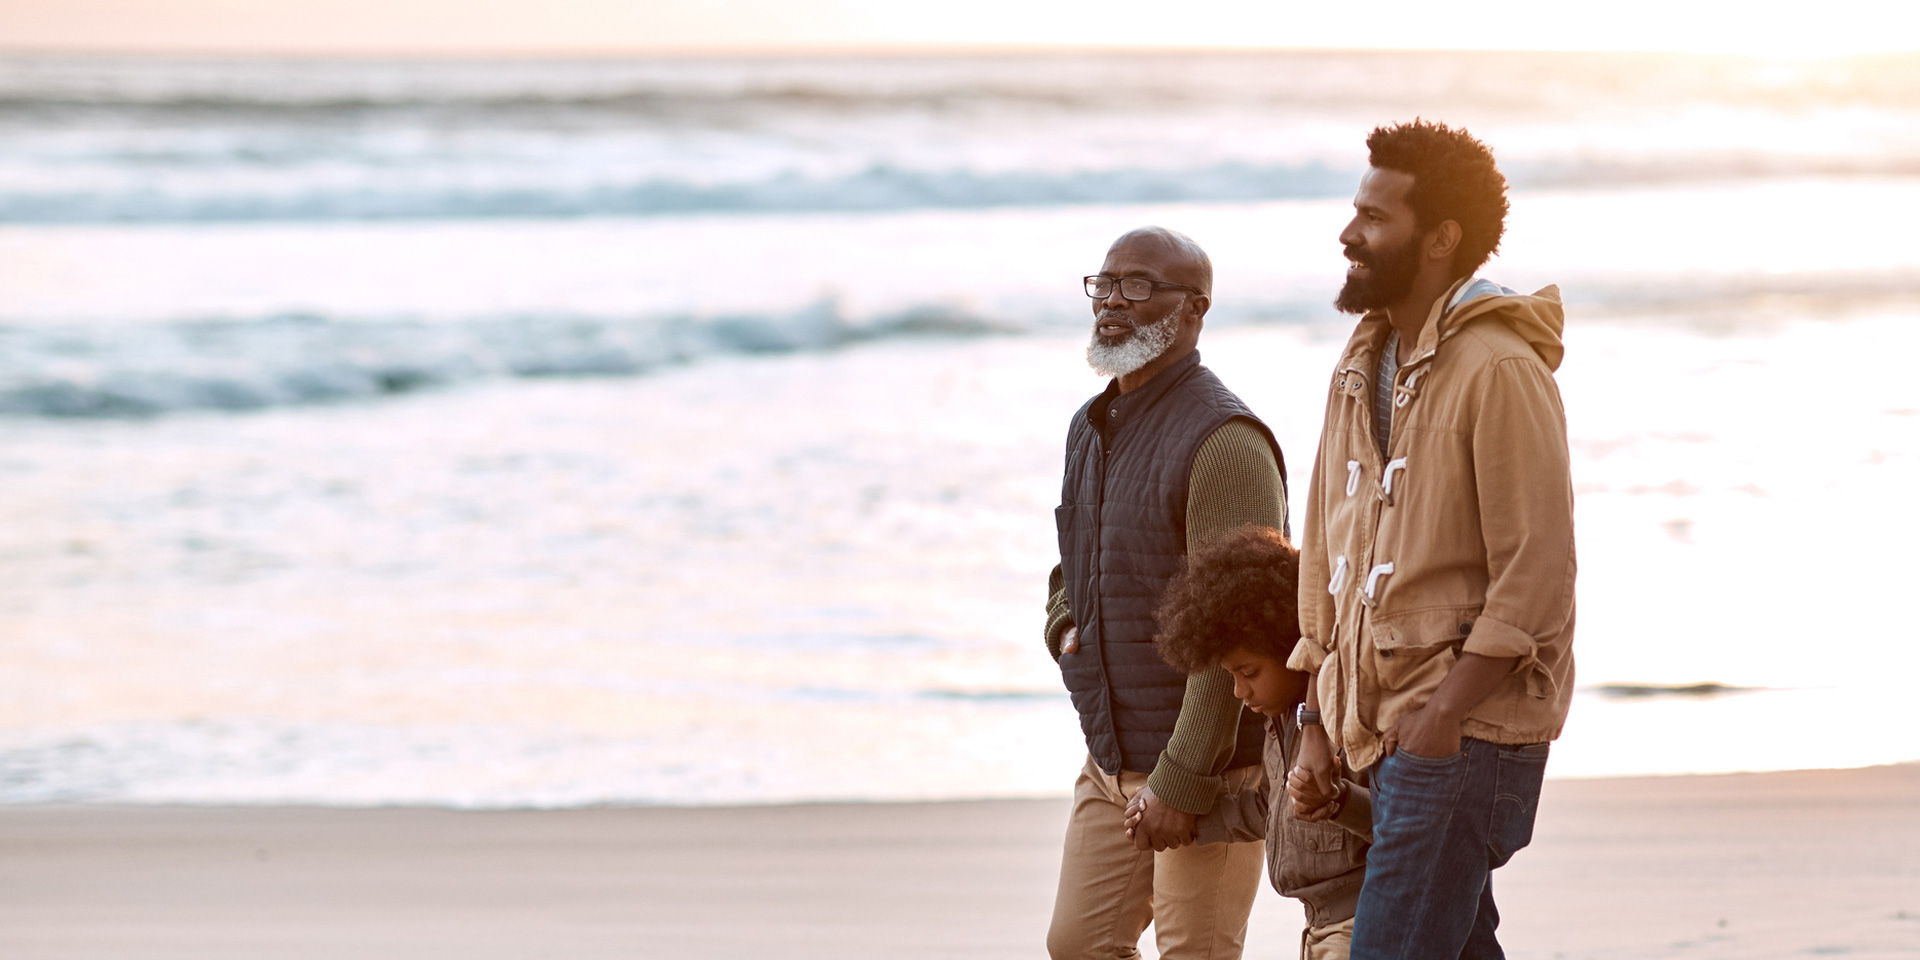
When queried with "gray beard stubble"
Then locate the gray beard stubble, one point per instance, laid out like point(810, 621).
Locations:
point(1140, 348)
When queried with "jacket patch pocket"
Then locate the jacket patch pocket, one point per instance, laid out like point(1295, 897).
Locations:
point(1414, 650)
point(1325, 838)
point(1311, 853)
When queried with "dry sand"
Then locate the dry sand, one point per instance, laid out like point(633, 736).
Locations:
point(1823, 862)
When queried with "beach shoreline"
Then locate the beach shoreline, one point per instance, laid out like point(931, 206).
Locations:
point(1712, 866)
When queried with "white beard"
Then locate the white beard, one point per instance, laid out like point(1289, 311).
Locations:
point(1140, 348)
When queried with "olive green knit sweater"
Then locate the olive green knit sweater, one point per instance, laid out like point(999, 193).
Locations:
point(1234, 481)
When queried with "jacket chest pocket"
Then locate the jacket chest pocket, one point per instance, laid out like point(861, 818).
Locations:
point(1310, 853)
point(1415, 650)
point(1319, 837)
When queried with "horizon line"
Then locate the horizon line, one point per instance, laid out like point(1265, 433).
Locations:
point(869, 51)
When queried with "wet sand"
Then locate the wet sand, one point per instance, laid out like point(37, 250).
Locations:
point(1820, 862)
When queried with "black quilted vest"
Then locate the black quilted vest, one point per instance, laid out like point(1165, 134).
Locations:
point(1123, 536)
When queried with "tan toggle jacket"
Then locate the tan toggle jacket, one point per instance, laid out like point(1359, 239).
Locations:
point(1460, 541)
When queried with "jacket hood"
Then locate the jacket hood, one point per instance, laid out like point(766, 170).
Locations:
point(1538, 317)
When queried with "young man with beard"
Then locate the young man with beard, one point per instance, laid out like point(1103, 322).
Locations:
point(1437, 563)
point(1165, 458)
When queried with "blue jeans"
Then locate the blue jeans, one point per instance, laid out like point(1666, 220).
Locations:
point(1440, 827)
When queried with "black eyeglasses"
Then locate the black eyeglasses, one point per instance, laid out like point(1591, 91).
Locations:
point(1131, 288)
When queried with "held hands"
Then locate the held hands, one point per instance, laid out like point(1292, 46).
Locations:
point(1426, 732)
point(1314, 781)
point(1152, 825)
point(1309, 802)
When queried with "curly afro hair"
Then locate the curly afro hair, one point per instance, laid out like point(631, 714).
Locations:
point(1454, 178)
point(1238, 591)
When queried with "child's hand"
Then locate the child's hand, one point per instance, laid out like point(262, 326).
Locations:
point(1153, 825)
point(1307, 789)
point(1316, 767)
point(1310, 802)
point(1136, 808)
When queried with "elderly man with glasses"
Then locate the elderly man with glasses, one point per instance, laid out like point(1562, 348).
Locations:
point(1163, 459)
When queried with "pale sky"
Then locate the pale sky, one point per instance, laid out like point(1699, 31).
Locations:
point(1764, 27)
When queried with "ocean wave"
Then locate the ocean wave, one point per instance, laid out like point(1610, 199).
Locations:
point(108, 140)
point(879, 187)
point(1511, 80)
point(133, 370)
point(137, 370)
point(630, 101)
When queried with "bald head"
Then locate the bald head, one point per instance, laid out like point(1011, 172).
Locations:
point(1175, 255)
point(1135, 339)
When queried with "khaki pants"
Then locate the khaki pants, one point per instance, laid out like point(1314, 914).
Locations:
point(1327, 943)
point(1197, 897)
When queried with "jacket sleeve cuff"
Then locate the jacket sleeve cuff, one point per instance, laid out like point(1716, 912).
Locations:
point(1182, 789)
point(1495, 638)
point(1236, 817)
point(1307, 656)
point(1491, 638)
point(1356, 815)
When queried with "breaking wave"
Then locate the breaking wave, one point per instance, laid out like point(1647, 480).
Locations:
point(108, 140)
point(142, 369)
point(135, 370)
point(879, 187)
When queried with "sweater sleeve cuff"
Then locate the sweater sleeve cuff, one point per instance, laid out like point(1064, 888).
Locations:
point(1057, 625)
point(1182, 789)
point(1059, 611)
point(1307, 656)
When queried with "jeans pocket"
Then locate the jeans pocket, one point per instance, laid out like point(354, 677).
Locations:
point(1518, 774)
point(1415, 796)
point(1411, 774)
point(1432, 761)
point(1520, 770)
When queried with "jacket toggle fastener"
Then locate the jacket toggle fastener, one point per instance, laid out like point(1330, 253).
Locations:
point(1404, 393)
point(1386, 481)
point(1369, 593)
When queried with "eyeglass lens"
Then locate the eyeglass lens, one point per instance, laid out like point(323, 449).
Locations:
point(1131, 288)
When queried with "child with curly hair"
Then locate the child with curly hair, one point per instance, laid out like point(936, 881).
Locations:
point(1235, 605)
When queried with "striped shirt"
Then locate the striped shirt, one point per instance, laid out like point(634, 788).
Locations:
point(1383, 392)
point(1390, 363)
